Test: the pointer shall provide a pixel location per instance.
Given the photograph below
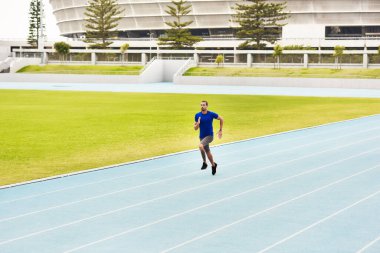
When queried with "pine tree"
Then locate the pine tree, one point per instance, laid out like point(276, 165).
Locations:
point(102, 19)
point(178, 36)
point(34, 22)
point(259, 22)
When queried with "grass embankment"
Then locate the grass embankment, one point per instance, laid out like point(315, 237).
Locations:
point(88, 70)
point(298, 72)
point(45, 133)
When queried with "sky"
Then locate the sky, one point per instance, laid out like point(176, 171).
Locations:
point(14, 20)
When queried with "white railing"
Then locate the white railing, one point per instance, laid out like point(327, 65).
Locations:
point(189, 63)
point(219, 37)
point(172, 58)
point(240, 57)
point(5, 65)
point(230, 37)
point(147, 65)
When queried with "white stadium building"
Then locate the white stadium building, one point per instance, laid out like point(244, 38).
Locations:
point(354, 23)
point(318, 25)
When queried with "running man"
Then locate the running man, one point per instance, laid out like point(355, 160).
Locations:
point(203, 120)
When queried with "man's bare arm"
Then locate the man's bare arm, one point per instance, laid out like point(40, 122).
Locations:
point(196, 124)
point(220, 132)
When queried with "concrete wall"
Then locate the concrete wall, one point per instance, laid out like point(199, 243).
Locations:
point(22, 62)
point(161, 71)
point(5, 52)
point(153, 73)
point(156, 71)
point(282, 82)
point(59, 78)
point(6, 65)
point(170, 68)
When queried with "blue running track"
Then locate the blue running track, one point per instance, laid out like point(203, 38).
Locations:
point(311, 190)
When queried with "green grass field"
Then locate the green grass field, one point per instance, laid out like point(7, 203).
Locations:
point(45, 133)
point(283, 72)
point(89, 70)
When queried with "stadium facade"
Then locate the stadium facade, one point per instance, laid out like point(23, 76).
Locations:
point(310, 21)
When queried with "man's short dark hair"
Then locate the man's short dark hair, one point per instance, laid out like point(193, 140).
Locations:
point(204, 101)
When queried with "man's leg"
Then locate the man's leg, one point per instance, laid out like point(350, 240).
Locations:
point(211, 159)
point(203, 153)
point(204, 147)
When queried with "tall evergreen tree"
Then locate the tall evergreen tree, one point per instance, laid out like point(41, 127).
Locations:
point(259, 22)
point(178, 36)
point(34, 22)
point(102, 18)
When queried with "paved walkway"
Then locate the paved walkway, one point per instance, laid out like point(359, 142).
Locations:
point(197, 89)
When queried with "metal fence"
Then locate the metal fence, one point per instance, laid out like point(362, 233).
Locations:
point(296, 58)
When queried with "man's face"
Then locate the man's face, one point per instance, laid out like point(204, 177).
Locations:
point(203, 106)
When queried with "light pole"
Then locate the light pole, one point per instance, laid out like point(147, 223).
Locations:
point(150, 45)
point(41, 35)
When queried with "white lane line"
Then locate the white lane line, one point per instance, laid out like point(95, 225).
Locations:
point(263, 211)
point(97, 196)
point(152, 170)
point(170, 195)
point(185, 175)
point(96, 182)
point(173, 165)
point(369, 245)
point(319, 222)
point(149, 159)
